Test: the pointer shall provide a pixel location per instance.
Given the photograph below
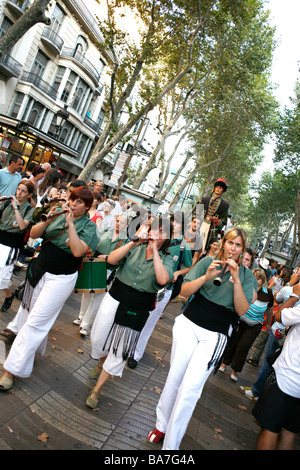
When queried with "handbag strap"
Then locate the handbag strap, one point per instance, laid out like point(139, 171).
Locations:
point(57, 235)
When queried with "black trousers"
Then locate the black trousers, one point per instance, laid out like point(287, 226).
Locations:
point(239, 345)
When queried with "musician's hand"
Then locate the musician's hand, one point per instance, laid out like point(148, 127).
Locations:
point(153, 242)
point(64, 204)
point(141, 235)
point(212, 270)
point(53, 217)
point(69, 217)
point(14, 202)
point(234, 269)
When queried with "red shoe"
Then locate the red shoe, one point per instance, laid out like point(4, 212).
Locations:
point(155, 436)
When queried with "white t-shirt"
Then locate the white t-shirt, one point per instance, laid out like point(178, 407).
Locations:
point(108, 220)
point(287, 366)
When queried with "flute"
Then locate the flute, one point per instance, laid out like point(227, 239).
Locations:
point(219, 279)
point(47, 200)
point(45, 217)
point(2, 199)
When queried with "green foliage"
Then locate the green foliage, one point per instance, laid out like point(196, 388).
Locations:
point(236, 110)
point(273, 202)
point(287, 151)
point(227, 97)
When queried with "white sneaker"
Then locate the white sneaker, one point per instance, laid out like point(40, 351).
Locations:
point(77, 321)
point(247, 392)
point(222, 369)
point(234, 377)
point(83, 332)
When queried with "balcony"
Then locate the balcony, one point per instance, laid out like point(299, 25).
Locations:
point(92, 124)
point(52, 40)
point(9, 67)
point(39, 83)
point(18, 6)
point(83, 63)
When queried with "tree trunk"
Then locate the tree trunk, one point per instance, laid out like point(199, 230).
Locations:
point(98, 156)
point(35, 14)
point(266, 245)
point(99, 153)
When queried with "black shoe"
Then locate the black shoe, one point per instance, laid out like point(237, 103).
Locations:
point(132, 363)
point(7, 303)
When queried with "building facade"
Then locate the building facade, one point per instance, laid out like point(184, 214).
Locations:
point(52, 86)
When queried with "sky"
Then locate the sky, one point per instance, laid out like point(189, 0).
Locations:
point(285, 16)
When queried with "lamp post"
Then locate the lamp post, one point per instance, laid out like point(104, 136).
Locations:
point(61, 116)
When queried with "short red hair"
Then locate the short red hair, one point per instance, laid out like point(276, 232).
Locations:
point(83, 193)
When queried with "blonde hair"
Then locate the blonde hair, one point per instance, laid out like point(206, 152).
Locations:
point(261, 274)
point(230, 235)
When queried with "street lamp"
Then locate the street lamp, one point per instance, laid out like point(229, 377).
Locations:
point(61, 116)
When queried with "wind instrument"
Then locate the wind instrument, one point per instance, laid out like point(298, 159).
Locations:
point(219, 279)
point(45, 217)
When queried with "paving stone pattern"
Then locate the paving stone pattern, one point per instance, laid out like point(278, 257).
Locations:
point(47, 411)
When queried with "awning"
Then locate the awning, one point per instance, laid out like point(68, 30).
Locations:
point(44, 138)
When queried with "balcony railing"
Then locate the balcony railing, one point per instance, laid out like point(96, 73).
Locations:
point(52, 38)
point(92, 124)
point(10, 66)
point(83, 62)
point(19, 6)
point(39, 83)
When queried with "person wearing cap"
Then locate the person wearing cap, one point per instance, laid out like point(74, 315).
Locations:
point(263, 263)
point(215, 212)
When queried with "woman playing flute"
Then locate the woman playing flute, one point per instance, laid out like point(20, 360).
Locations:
point(16, 216)
point(147, 266)
point(200, 334)
point(51, 278)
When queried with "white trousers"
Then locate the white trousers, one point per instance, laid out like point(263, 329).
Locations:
point(48, 298)
point(90, 304)
point(114, 363)
point(102, 325)
point(192, 349)
point(88, 308)
point(7, 254)
point(150, 325)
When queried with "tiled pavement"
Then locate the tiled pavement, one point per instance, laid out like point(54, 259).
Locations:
point(48, 411)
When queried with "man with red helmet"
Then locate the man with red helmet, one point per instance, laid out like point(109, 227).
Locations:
point(215, 212)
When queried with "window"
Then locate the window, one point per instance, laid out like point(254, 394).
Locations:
point(39, 64)
point(53, 128)
point(58, 77)
point(79, 96)
point(75, 138)
point(35, 114)
point(65, 132)
point(57, 18)
point(101, 118)
point(5, 25)
point(29, 103)
point(80, 48)
point(69, 85)
point(81, 144)
point(100, 66)
point(16, 105)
